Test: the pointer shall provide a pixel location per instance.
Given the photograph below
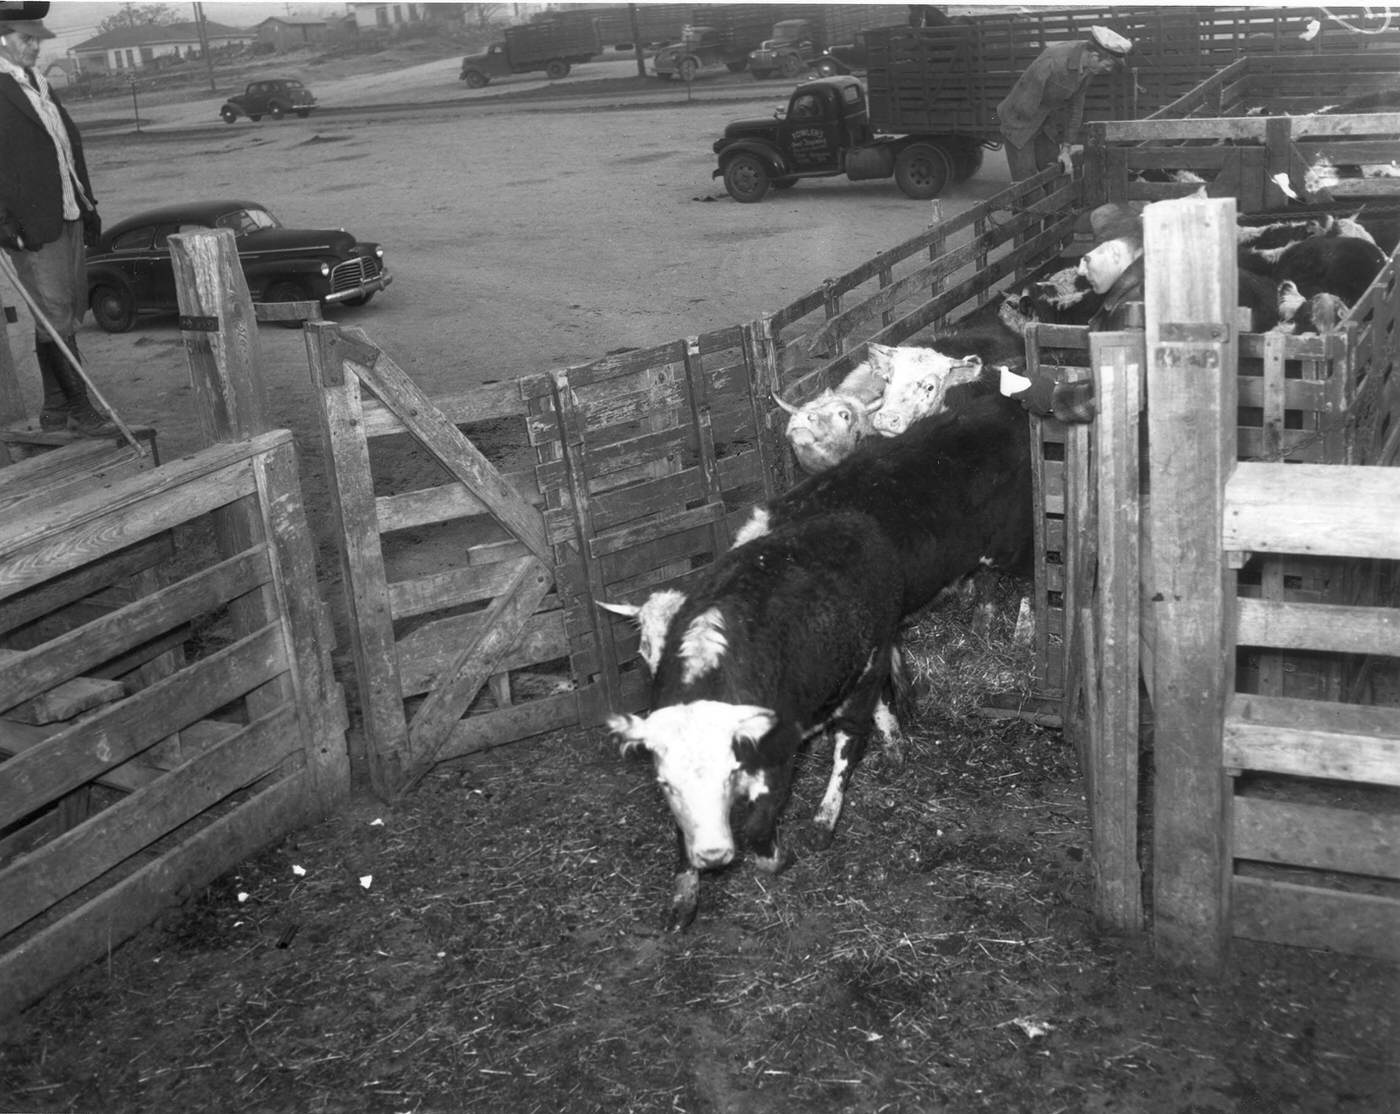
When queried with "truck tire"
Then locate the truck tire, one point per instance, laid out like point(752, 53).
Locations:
point(556, 69)
point(475, 79)
point(922, 171)
point(791, 65)
point(687, 68)
point(967, 161)
point(746, 178)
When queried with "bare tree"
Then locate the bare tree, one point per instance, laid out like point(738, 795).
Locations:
point(138, 15)
point(482, 14)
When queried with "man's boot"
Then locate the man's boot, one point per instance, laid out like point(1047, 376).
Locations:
point(84, 419)
point(54, 415)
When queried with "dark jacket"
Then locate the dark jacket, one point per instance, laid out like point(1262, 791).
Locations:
point(1048, 97)
point(31, 189)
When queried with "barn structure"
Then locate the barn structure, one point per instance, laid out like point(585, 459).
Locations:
point(169, 706)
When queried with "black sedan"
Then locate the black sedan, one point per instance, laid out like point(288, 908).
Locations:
point(129, 272)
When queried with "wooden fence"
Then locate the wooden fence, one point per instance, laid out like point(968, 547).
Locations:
point(167, 706)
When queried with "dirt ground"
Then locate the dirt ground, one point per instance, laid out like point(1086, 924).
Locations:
point(492, 942)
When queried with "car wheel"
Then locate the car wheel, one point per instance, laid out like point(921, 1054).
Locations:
point(922, 171)
point(475, 79)
point(556, 69)
point(791, 65)
point(277, 110)
point(303, 112)
point(688, 69)
point(746, 178)
point(113, 308)
point(287, 291)
point(228, 114)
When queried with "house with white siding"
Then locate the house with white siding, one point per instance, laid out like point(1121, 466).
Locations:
point(138, 48)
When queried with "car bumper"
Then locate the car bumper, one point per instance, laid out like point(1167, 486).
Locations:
point(380, 281)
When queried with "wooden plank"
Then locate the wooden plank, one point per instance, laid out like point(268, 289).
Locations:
point(430, 651)
point(65, 700)
point(429, 506)
point(15, 738)
point(73, 859)
point(1192, 364)
point(1117, 359)
point(1328, 509)
point(53, 476)
point(1345, 840)
point(1313, 917)
point(485, 402)
point(505, 725)
point(1313, 738)
point(84, 750)
point(89, 932)
point(1319, 626)
point(352, 503)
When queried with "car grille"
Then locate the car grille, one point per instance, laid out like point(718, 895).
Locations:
point(353, 273)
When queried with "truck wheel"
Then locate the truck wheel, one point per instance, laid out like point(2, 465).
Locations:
point(791, 65)
point(475, 79)
point(556, 69)
point(922, 170)
point(746, 178)
point(967, 162)
point(687, 69)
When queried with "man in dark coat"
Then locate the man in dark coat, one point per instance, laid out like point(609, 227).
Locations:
point(1041, 116)
point(47, 214)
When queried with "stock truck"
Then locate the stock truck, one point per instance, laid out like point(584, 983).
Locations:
point(551, 45)
point(796, 43)
point(719, 36)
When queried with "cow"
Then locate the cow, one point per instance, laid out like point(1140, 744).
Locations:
point(1260, 246)
point(789, 634)
point(827, 428)
point(1340, 265)
point(1322, 313)
point(953, 492)
point(1063, 298)
point(653, 618)
point(920, 379)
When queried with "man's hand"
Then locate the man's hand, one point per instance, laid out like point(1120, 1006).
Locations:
point(1066, 159)
point(11, 234)
point(92, 228)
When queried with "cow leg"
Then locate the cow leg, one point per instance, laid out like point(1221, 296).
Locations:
point(888, 730)
point(761, 823)
point(685, 897)
point(847, 750)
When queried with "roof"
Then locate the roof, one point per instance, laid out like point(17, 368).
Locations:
point(292, 22)
point(192, 211)
point(156, 34)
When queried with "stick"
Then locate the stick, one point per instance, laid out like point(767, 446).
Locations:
point(9, 270)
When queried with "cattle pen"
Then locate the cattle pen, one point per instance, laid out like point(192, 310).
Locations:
point(641, 462)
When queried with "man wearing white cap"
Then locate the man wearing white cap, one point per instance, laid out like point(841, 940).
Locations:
point(46, 213)
point(1042, 115)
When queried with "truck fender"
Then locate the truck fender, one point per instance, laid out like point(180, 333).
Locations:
point(774, 161)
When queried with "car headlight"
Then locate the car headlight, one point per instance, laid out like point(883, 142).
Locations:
point(325, 270)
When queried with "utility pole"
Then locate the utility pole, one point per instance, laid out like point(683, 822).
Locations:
point(204, 44)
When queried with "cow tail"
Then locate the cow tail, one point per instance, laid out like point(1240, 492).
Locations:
point(903, 697)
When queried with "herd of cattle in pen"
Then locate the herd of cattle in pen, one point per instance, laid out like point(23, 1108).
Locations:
point(920, 476)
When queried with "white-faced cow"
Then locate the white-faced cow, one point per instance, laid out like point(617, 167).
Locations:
point(787, 635)
point(653, 617)
point(919, 380)
point(951, 493)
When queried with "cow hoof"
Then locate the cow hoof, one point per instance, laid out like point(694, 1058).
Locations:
point(896, 752)
point(819, 838)
point(679, 918)
point(778, 862)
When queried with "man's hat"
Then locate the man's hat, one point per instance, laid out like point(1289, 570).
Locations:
point(24, 19)
point(1110, 42)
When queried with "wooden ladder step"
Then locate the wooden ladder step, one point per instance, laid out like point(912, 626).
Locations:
point(1312, 738)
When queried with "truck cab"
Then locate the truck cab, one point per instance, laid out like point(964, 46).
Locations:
point(792, 46)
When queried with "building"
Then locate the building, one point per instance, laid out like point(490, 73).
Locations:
point(380, 17)
point(288, 34)
point(137, 48)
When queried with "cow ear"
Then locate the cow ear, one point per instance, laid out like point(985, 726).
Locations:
point(753, 724)
point(630, 731)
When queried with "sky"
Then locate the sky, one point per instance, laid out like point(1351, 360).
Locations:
point(72, 21)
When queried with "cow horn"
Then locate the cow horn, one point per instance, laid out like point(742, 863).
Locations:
point(630, 610)
point(874, 404)
point(791, 409)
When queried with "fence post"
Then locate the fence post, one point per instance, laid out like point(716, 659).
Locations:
point(220, 334)
point(1192, 350)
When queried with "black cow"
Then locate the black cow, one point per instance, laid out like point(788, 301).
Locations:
point(953, 492)
point(788, 634)
point(1340, 265)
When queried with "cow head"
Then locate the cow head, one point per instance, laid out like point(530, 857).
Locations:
point(704, 754)
point(827, 429)
point(1289, 300)
point(652, 618)
point(918, 379)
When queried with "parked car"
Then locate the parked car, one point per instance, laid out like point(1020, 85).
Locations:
point(269, 96)
point(129, 271)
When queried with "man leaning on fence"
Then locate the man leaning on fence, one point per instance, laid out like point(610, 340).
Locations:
point(47, 214)
point(1042, 115)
